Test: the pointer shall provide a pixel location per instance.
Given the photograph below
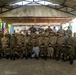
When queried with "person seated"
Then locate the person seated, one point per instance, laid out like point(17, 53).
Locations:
point(35, 51)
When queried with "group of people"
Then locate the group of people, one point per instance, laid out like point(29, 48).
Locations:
point(39, 43)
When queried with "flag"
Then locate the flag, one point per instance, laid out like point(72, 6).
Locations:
point(11, 30)
point(6, 25)
point(3, 27)
point(5, 30)
point(70, 27)
point(0, 25)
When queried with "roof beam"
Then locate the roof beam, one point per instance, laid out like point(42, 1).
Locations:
point(13, 8)
point(64, 2)
point(62, 10)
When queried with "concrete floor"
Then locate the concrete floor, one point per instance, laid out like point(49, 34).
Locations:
point(36, 67)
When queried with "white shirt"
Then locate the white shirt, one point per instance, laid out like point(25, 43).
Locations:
point(54, 30)
point(36, 49)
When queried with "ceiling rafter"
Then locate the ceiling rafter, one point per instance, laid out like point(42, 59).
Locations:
point(64, 2)
point(57, 8)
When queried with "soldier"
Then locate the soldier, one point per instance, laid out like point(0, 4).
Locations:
point(48, 29)
point(71, 54)
point(17, 51)
point(32, 29)
point(20, 39)
point(63, 52)
point(33, 34)
point(27, 39)
point(35, 51)
point(40, 30)
point(53, 39)
point(69, 40)
point(57, 51)
point(60, 39)
point(7, 50)
point(33, 40)
point(46, 40)
point(8, 36)
point(1, 51)
point(69, 32)
point(50, 51)
point(23, 51)
point(61, 31)
point(1, 35)
point(4, 41)
point(13, 40)
point(39, 40)
point(29, 50)
point(43, 51)
point(74, 43)
point(12, 52)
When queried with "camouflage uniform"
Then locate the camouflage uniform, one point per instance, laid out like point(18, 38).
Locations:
point(1, 51)
point(50, 50)
point(8, 36)
point(60, 39)
point(12, 52)
point(68, 40)
point(48, 29)
point(39, 40)
point(43, 51)
point(57, 49)
point(40, 30)
point(13, 40)
point(17, 51)
point(7, 51)
point(46, 39)
point(32, 29)
point(64, 52)
point(71, 54)
point(53, 39)
point(20, 39)
point(4, 41)
point(27, 39)
point(1, 35)
point(29, 50)
point(23, 51)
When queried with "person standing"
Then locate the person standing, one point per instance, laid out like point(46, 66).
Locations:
point(54, 29)
point(68, 31)
point(61, 31)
